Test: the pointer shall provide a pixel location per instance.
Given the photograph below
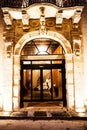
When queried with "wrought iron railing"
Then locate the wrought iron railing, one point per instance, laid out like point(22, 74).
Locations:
point(40, 1)
point(61, 3)
point(26, 3)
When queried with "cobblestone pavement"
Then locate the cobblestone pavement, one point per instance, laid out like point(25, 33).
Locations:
point(42, 125)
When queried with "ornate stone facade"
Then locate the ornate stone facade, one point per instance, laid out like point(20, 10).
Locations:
point(49, 21)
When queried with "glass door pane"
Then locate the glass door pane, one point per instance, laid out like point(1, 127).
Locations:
point(57, 83)
point(36, 88)
point(46, 84)
point(26, 84)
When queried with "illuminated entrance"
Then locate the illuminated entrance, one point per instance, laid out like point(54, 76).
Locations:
point(42, 74)
point(27, 38)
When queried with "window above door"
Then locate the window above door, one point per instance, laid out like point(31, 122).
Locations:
point(42, 47)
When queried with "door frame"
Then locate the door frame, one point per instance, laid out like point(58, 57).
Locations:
point(42, 67)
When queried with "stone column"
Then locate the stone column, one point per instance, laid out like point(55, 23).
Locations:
point(79, 89)
point(1, 81)
point(2, 55)
point(16, 84)
point(78, 74)
point(69, 81)
point(8, 78)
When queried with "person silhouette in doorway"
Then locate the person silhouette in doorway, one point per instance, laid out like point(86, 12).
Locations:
point(55, 90)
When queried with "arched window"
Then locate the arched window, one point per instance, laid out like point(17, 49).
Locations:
point(42, 46)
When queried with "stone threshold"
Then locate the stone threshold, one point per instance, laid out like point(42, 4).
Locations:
point(42, 115)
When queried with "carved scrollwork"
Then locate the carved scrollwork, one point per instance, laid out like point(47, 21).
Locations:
point(34, 23)
point(50, 22)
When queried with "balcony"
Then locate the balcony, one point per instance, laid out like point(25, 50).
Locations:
point(26, 3)
point(44, 1)
point(61, 3)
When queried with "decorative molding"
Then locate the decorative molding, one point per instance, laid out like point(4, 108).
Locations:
point(9, 47)
point(34, 23)
point(50, 22)
point(77, 46)
point(42, 21)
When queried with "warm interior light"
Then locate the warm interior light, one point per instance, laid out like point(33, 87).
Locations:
point(47, 80)
point(42, 49)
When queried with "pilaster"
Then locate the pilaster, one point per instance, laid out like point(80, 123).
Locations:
point(70, 81)
point(16, 83)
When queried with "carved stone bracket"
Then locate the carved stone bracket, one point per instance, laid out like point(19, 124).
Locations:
point(25, 19)
point(77, 16)
point(7, 18)
point(59, 18)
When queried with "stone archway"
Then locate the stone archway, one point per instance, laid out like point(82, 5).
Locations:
point(50, 34)
point(68, 59)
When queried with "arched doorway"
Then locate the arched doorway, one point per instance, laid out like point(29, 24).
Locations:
point(68, 61)
point(42, 73)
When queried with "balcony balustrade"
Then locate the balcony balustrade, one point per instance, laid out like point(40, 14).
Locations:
point(26, 3)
